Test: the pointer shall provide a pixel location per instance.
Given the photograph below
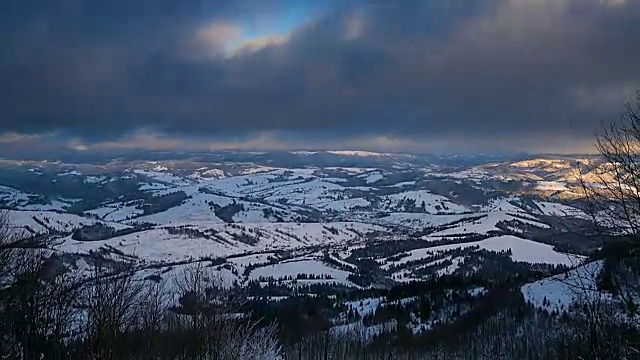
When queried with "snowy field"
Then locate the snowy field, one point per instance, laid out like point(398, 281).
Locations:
point(521, 250)
point(560, 292)
point(262, 211)
point(302, 267)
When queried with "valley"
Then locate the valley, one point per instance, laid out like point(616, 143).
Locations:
point(387, 218)
point(367, 246)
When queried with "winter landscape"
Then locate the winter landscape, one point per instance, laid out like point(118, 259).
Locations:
point(385, 246)
point(319, 179)
point(407, 217)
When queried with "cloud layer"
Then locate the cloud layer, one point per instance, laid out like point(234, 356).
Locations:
point(526, 75)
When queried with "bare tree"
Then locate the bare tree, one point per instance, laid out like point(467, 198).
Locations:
point(612, 191)
point(612, 185)
point(212, 318)
point(109, 309)
point(153, 307)
point(35, 297)
point(10, 245)
point(611, 188)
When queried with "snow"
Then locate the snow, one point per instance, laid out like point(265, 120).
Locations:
point(101, 212)
point(555, 209)
point(564, 290)
point(543, 164)
point(453, 267)
point(12, 196)
point(60, 222)
point(433, 203)
point(403, 276)
point(335, 180)
point(253, 259)
point(298, 189)
point(251, 215)
point(343, 263)
point(346, 205)
point(521, 249)
point(402, 184)
point(193, 210)
point(486, 223)
point(419, 220)
point(365, 306)
point(296, 196)
point(366, 333)
point(123, 213)
point(256, 169)
point(502, 204)
point(94, 179)
point(116, 212)
point(305, 153)
point(308, 192)
point(372, 177)
point(351, 170)
point(293, 268)
point(551, 186)
point(156, 245)
point(142, 186)
point(287, 235)
point(226, 278)
point(164, 177)
point(356, 153)
point(53, 206)
point(176, 273)
point(204, 174)
point(475, 292)
point(500, 210)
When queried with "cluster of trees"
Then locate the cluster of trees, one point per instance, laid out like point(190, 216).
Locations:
point(191, 233)
point(288, 278)
point(498, 325)
point(100, 231)
point(111, 314)
point(269, 213)
point(226, 213)
point(47, 312)
point(157, 204)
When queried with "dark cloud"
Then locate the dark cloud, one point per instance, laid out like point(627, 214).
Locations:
point(415, 70)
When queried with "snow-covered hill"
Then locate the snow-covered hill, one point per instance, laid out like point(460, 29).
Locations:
point(559, 293)
point(324, 203)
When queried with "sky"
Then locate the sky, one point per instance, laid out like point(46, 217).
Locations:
point(401, 76)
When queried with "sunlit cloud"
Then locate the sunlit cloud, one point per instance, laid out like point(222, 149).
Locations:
point(17, 138)
point(228, 40)
point(218, 38)
point(149, 140)
point(78, 145)
point(508, 74)
point(614, 3)
point(354, 26)
point(261, 42)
